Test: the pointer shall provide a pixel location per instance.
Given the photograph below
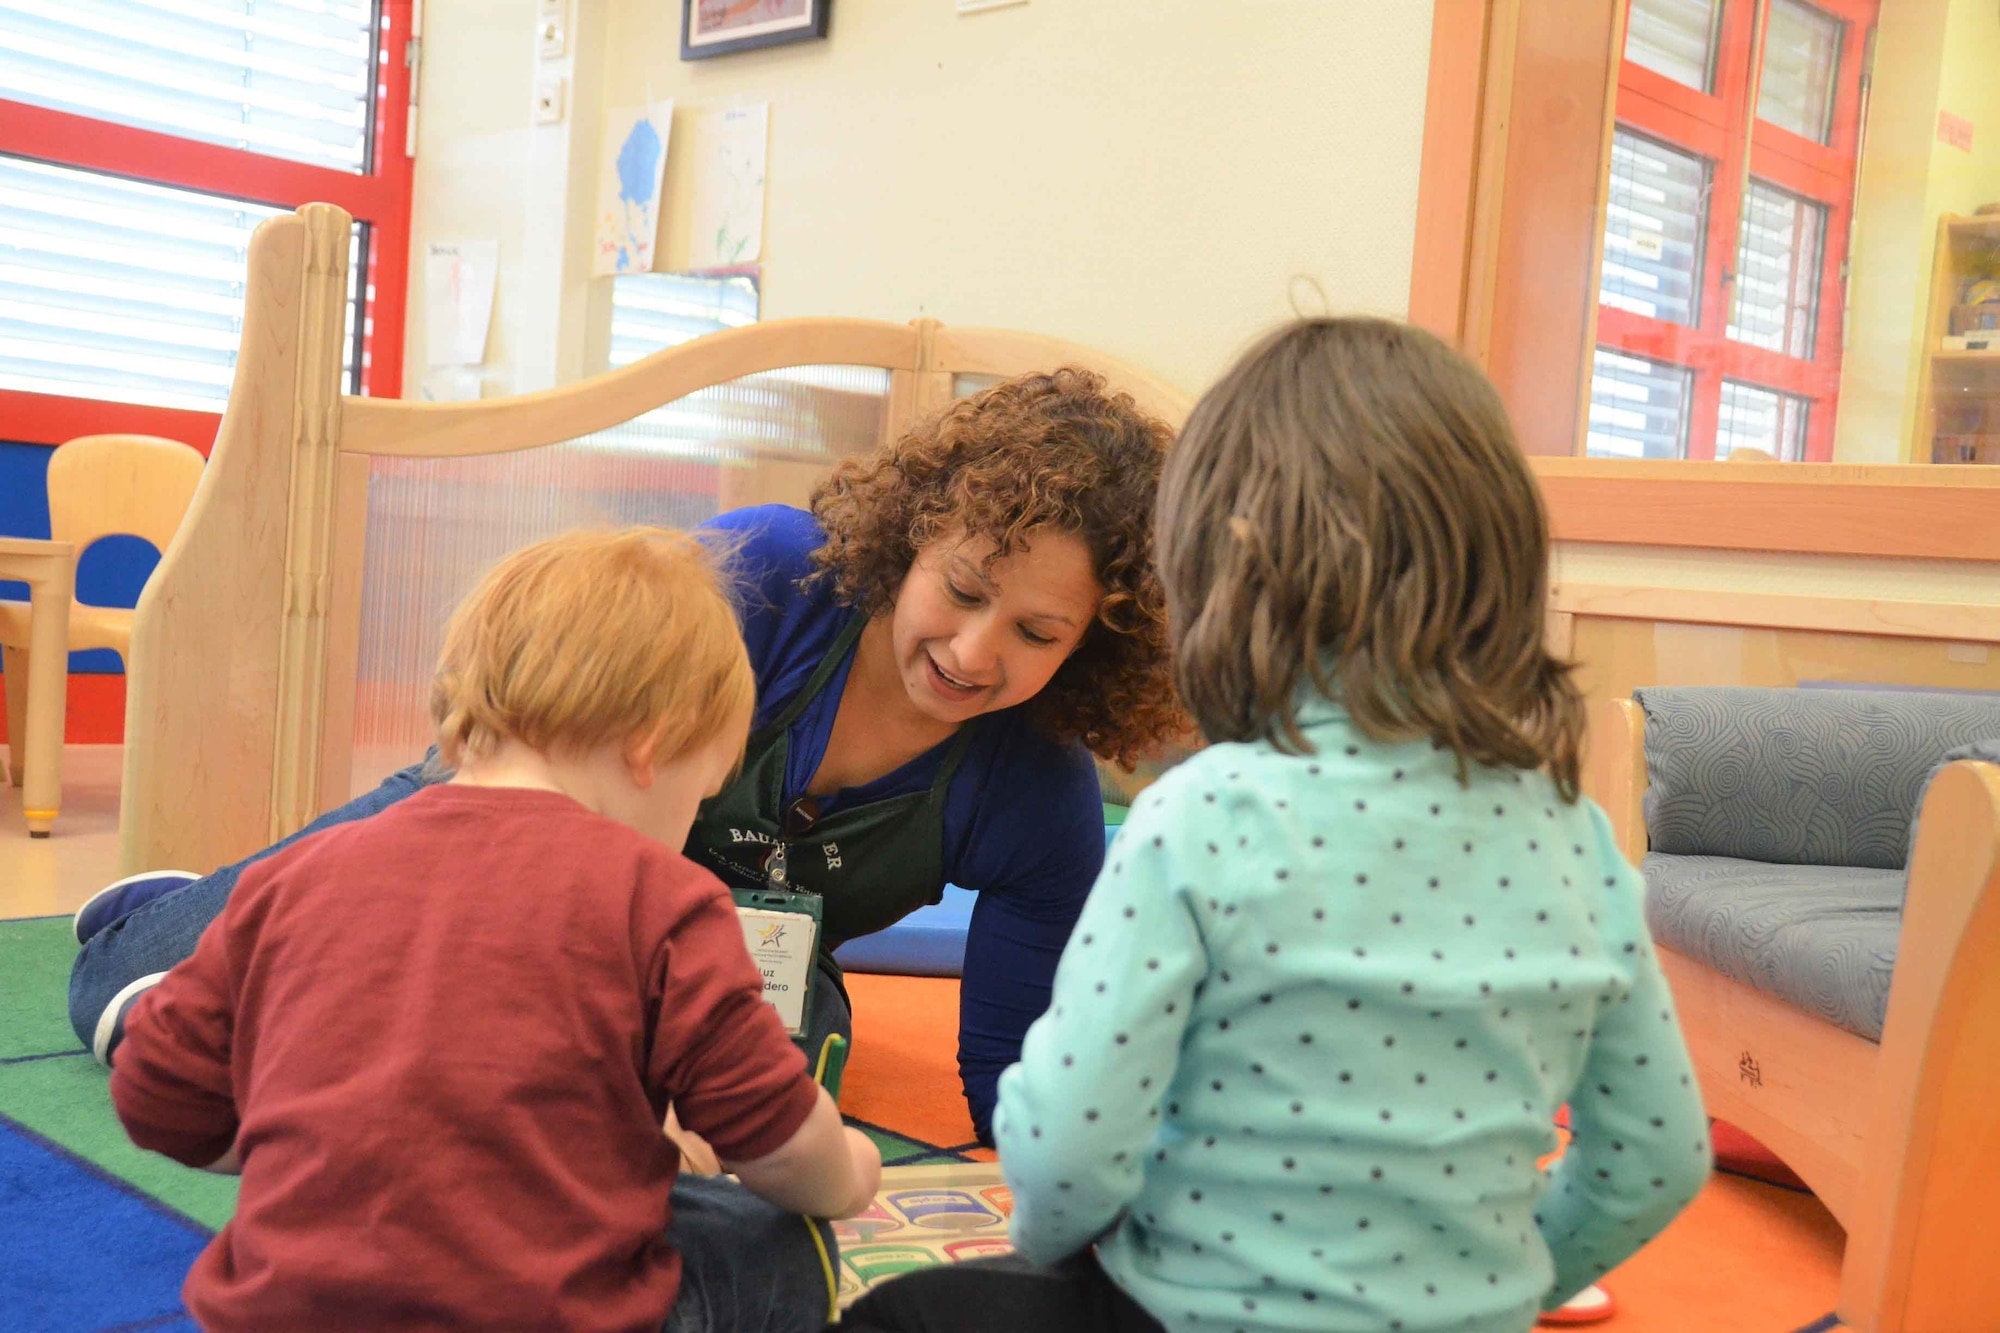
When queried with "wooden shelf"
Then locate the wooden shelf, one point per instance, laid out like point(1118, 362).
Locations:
point(1960, 389)
point(1960, 227)
point(1959, 371)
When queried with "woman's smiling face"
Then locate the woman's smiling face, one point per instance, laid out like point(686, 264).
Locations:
point(972, 638)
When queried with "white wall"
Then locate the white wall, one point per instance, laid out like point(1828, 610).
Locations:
point(1147, 176)
point(485, 170)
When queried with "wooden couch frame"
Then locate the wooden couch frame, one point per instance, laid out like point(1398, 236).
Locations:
point(241, 697)
point(1901, 1141)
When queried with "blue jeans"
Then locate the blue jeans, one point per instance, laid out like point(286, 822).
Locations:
point(745, 1264)
point(165, 931)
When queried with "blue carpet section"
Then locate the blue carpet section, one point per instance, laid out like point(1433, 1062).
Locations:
point(1825, 1325)
point(85, 1253)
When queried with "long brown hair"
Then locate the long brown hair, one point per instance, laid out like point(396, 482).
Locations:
point(1348, 507)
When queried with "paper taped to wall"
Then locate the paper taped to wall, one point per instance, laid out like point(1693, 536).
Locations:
point(727, 210)
point(631, 165)
point(458, 300)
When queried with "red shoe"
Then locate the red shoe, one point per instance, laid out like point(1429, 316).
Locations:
point(1592, 1305)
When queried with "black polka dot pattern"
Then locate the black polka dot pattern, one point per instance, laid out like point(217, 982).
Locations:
point(1382, 961)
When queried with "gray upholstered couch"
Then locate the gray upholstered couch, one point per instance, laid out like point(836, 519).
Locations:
point(1780, 824)
point(1838, 978)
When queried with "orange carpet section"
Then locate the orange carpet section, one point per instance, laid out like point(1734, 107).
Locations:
point(1745, 1258)
point(903, 1073)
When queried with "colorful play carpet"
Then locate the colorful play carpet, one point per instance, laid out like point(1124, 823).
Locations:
point(95, 1236)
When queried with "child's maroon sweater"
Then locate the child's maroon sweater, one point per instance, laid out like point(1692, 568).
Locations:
point(443, 1040)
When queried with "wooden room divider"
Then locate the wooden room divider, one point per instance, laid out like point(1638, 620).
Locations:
point(282, 649)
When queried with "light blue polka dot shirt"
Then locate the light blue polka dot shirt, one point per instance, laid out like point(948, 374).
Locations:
point(1307, 1041)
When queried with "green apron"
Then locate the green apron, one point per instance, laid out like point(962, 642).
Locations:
point(870, 865)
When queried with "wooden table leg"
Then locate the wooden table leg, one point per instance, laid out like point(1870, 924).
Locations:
point(48, 680)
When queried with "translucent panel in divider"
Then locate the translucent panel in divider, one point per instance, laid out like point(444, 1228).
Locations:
point(435, 525)
point(966, 383)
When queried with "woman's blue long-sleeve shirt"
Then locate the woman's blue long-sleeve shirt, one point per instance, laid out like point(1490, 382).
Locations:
point(1023, 819)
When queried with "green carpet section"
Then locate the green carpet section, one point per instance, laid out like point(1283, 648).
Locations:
point(34, 986)
point(895, 1147)
point(67, 1096)
point(68, 1099)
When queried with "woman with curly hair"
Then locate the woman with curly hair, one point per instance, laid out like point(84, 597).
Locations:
point(963, 619)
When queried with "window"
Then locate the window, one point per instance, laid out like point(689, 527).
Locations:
point(1653, 227)
point(1722, 288)
point(1675, 39)
point(1801, 60)
point(285, 79)
point(1638, 408)
point(651, 311)
point(142, 145)
point(120, 290)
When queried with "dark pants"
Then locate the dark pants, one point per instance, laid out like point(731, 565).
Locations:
point(165, 931)
point(1001, 1295)
point(746, 1264)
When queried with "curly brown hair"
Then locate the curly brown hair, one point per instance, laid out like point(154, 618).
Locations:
point(1050, 450)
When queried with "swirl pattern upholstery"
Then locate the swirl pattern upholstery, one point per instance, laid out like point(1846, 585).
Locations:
point(1820, 938)
point(1781, 823)
point(1805, 777)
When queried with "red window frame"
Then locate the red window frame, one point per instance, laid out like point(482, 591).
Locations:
point(1711, 125)
point(379, 197)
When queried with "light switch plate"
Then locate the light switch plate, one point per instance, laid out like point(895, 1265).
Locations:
point(551, 38)
point(550, 96)
point(980, 6)
point(550, 9)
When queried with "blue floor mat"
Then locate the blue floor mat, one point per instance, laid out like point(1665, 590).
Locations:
point(85, 1252)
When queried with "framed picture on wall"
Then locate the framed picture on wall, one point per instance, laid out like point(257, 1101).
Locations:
point(724, 27)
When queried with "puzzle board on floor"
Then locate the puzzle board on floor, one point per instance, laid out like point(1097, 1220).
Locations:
point(924, 1216)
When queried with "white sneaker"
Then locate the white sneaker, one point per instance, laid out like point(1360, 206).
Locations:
point(111, 1023)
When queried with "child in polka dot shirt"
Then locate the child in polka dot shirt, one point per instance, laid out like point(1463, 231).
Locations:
point(1343, 966)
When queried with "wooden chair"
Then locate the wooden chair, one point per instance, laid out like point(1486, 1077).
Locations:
point(102, 486)
point(1901, 1140)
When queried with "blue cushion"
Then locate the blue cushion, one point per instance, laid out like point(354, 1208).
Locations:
point(929, 942)
point(1820, 938)
point(1805, 777)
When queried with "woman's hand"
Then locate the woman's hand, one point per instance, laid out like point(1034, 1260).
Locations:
point(696, 1156)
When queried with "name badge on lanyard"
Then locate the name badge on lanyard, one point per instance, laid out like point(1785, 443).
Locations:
point(781, 929)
